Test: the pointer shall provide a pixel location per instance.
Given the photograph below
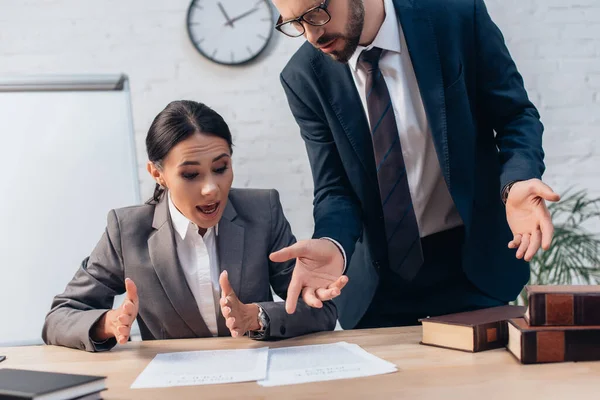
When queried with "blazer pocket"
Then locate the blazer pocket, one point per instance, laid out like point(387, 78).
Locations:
point(456, 81)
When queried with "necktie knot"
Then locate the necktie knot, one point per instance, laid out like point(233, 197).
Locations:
point(370, 58)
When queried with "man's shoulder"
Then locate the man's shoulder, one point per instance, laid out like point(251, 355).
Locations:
point(443, 6)
point(301, 61)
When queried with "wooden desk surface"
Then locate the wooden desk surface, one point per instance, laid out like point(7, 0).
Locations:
point(423, 372)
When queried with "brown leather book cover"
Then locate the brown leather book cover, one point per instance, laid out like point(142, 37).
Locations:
point(545, 344)
point(487, 327)
point(563, 305)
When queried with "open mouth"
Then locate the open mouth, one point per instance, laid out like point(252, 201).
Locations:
point(209, 209)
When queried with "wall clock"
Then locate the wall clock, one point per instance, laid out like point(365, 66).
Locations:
point(230, 32)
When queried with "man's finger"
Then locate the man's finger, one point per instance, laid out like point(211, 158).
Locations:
point(546, 192)
point(293, 292)
point(547, 229)
point(333, 290)
point(226, 288)
point(294, 251)
point(524, 245)
point(534, 244)
point(339, 283)
point(327, 294)
point(310, 298)
point(131, 291)
point(516, 242)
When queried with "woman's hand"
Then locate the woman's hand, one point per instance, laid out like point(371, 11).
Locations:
point(117, 323)
point(239, 317)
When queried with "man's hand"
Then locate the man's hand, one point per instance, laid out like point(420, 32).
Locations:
point(239, 317)
point(317, 274)
point(117, 323)
point(529, 218)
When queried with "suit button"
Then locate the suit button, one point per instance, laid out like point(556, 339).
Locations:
point(282, 330)
point(376, 264)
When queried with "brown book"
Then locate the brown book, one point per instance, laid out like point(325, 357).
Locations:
point(563, 305)
point(544, 344)
point(472, 331)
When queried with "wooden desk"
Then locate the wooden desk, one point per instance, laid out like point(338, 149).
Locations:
point(423, 372)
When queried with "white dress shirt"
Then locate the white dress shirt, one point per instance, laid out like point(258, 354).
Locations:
point(434, 208)
point(199, 260)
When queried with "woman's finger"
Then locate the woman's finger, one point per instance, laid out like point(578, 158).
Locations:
point(223, 301)
point(123, 330)
point(129, 308)
point(230, 322)
point(226, 311)
point(124, 319)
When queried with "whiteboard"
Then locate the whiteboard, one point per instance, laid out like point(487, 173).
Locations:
point(68, 157)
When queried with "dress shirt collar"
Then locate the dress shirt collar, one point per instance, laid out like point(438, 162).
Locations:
point(388, 37)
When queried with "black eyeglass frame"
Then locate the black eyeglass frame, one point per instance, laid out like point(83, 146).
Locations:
point(323, 6)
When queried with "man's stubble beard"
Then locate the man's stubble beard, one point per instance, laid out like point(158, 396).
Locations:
point(356, 22)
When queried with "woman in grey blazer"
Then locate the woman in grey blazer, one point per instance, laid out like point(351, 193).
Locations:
point(194, 260)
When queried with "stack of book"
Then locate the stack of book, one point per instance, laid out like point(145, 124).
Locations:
point(562, 323)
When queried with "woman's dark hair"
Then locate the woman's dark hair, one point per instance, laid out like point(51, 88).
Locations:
point(178, 121)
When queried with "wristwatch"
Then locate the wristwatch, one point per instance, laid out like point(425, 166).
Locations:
point(506, 190)
point(263, 321)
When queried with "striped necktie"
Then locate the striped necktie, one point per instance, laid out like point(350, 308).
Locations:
point(402, 232)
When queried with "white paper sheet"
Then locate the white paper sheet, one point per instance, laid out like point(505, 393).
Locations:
point(203, 367)
point(291, 365)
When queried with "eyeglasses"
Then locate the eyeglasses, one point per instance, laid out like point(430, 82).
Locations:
point(316, 16)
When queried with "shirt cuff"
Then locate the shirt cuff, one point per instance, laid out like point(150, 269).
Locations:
point(339, 246)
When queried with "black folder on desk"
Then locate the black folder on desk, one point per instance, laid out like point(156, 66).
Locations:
point(38, 385)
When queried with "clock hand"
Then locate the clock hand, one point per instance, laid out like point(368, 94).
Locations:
point(229, 21)
point(243, 15)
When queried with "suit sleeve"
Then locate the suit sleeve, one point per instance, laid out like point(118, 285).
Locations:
point(337, 212)
point(89, 295)
point(502, 94)
point(306, 319)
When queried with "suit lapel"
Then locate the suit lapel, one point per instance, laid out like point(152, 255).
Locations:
point(423, 50)
point(230, 247)
point(338, 84)
point(166, 264)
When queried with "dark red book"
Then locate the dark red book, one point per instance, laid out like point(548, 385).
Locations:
point(472, 331)
point(545, 344)
point(563, 305)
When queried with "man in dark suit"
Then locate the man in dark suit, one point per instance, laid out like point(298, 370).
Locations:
point(426, 155)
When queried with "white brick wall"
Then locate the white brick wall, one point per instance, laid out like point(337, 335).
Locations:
point(556, 44)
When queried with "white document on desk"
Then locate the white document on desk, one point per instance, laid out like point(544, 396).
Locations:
point(203, 367)
point(325, 362)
